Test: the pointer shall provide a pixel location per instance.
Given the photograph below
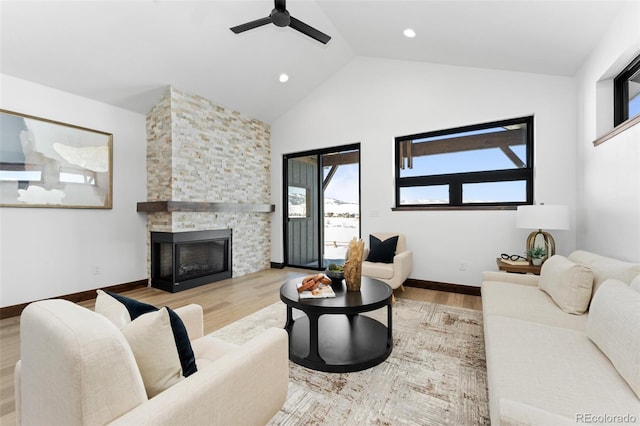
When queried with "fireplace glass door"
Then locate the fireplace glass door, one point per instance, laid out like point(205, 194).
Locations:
point(184, 260)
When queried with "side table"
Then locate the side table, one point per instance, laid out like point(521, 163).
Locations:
point(518, 269)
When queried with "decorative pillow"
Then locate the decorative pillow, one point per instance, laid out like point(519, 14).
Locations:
point(569, 284)
point(612, 325)
point(151, 340)
point(120, 310)
point(124, 312)
point(382, 251)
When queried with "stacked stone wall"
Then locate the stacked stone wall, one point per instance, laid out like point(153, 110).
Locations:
point(213, 155)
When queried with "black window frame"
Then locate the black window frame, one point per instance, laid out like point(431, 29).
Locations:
point(456, 180)
point(621, 92)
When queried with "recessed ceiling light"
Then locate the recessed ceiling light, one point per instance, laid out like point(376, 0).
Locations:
point(284, 78)
point(409, 33)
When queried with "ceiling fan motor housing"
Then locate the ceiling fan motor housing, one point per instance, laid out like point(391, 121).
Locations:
point(281, 18)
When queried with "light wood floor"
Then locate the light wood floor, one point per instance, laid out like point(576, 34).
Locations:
point(223, 303)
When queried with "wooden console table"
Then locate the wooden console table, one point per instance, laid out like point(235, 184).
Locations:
point(518, 269)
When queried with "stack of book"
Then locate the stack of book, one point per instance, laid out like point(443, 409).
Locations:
point(321, 292)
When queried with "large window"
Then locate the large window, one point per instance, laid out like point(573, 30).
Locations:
point(485, 165)
point(626, 93)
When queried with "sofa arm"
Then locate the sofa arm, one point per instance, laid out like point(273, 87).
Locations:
point(246, 387)
point(507, 277)
point(193, 319)
point(17, 391)
point(403, 264)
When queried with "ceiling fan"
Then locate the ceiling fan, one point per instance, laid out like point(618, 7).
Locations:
point(280, 16)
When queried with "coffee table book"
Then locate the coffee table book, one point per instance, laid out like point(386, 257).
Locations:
point(322, 292)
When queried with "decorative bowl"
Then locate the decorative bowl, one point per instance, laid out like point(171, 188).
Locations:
point(335, 275)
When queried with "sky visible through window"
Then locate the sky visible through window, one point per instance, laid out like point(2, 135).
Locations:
point(634, 106)
point(344, 184)
point(465, 161)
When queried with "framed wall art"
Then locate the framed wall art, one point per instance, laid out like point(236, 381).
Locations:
point(45, 163)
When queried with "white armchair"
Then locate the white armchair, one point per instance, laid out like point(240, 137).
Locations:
point(396, 273)
point(76, 368)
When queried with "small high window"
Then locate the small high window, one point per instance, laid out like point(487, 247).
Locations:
point(626, 93)
point(488, 165)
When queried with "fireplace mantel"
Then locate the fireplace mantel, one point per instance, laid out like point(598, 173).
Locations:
point(203, 206)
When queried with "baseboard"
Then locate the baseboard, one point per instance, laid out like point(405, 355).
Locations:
point(16, 310)
point(277, 265)
point(451, 288)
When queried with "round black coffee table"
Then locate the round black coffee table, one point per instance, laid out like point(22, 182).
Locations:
point(332, 336)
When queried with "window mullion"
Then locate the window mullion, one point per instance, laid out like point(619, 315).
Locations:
point(455, 193)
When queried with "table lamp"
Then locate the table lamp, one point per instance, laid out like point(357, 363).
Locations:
point(540, 217)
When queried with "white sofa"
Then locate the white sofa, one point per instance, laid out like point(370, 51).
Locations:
point(543, 367)
point(76, 368)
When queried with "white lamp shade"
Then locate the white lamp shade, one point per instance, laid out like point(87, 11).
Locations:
point(543, 217)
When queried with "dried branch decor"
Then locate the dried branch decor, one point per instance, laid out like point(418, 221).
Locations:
point(353, 264)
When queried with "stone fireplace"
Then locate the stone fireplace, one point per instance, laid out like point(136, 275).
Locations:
point(208, 168)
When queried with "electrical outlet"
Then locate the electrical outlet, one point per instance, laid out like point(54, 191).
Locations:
point(95, 269)
point(462, 267)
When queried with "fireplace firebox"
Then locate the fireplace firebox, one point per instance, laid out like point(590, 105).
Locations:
point(182, 260)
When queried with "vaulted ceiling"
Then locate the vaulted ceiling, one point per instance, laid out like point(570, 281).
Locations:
point(126, 53)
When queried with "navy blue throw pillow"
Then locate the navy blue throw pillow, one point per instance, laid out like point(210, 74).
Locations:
point(183, 344)
point(134, 307)
point(180, 335)
point(382, 251)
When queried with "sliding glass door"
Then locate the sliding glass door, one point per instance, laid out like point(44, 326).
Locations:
point(322, 205)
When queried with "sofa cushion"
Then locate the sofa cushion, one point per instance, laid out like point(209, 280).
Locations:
point(604, 268)
point(122, 311)
point(377, 270)
point(209, 349)
point(569, 284)
point(614, 326)
point(382, 251)
point(557, 370)
point(528, 303)
point(635, 284)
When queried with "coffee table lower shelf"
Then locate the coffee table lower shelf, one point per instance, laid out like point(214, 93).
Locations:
point(345, 343)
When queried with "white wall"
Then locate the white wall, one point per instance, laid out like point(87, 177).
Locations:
point(47, 252)
point(373, 100)
point(609, 174)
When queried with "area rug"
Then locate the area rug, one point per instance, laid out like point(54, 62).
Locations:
point(436, 374)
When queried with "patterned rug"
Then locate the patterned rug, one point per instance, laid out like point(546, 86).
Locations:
point(436, 374)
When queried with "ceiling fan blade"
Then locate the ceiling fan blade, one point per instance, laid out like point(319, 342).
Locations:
point(280, 4)
point(251, 25)
point(308, 30)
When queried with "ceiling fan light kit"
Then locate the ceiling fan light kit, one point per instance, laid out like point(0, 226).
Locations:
point(280, 17)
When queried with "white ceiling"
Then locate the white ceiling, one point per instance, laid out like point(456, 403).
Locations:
point(126, 53)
